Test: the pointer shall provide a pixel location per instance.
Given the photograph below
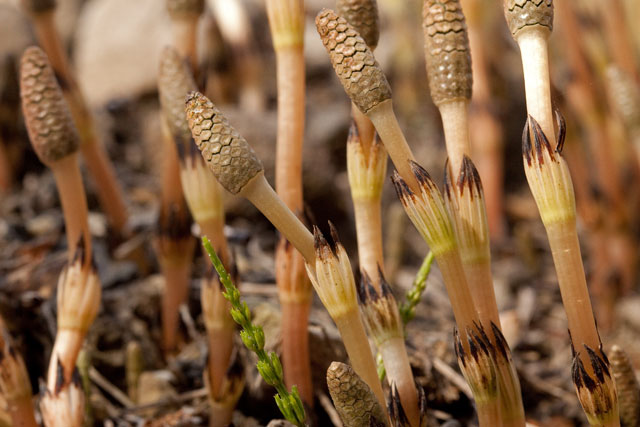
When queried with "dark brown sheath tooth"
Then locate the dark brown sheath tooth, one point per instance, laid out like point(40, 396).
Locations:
point(228, 155)
point(353, 61)
point(36, 7)
point(447, 52)
point(46, 113)
point(180, 8)
point(363, 16)
point(528, 13)
point(175, 81)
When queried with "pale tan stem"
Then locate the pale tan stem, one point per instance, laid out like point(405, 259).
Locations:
point(565, 249)
point(295, 347)
point(260, 193)
point(357, 345)
point(185, 31)
point(21, 412)
point(366, 130)
point(455, 122)
point(455, 281)
point(65, 351)
point(489, 413)
point(220, 415)
point(290, 72)
point(384, 119)
point(481, 286)
point(535, 64)
point(396, 363)
point(170, 172)
point(369, 236)
point(176, 274)
point(110, 196)
point(74, 203)
point(49, 39)
point(220, 341)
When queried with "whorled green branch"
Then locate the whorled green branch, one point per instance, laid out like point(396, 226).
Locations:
point(268, 365)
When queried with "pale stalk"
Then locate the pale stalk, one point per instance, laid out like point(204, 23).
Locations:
point(398, 368)
point(176, 274)
point(351, 329)
point(456, 131)
point(220, 342)
point(21, 412)
point(535, 65)
point(260, 193)
point(384, 119)
point(65, 351)
point(481, 286)
point(369, 232)
point(171, 184)
point(489, 413)
point(295, 349)
point(455, 281)
point(366, 130)
point(74, 203)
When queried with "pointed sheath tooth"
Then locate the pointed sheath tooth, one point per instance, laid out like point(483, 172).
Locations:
point(366, 171)
point(228, 155)
point(64, 407)
point(548, 176)
point(597, 392)
point(427, 211)
point(78, 296)
point(396, 411)
point(355, 402)
point(521, 14)
point(379, 310)
point(37, 7)
point(175, 81)
point(51, 129)
point(353, 61)
point(477, 366)
point(627, 386)
point(363, 16)
point(333, 279)
point(465, 203)
point(181, 8)
point(447, 53)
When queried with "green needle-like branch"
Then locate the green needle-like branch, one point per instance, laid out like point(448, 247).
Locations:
point(413, 295)
point(269, 365)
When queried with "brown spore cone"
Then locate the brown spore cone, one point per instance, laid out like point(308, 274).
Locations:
point(363, 16)
point(447, 52)
point(353, 61)
point(175, 81)
point(521, 14)
point(228, 155)
point(46, 113)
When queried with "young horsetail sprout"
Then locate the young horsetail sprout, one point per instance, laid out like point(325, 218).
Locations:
point(627, 387)
point(550, 183)
point(98, 163)
point(184, 16)
point(413, 295)
point(55, 140)
point(286, 20)
point(14, 382)
point(64, 405)
point(252, 336)
point(366, 85)
point(355, 402)
point(231, 389)
point(363, 16)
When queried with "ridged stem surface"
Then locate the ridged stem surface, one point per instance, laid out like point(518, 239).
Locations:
point(357, 345)
point(384, 119)
point(295, 347)
point(369, 232)
point(396, 363)
point(481, 286)
point(535, 65)
point(365, 128)
point(220, 342)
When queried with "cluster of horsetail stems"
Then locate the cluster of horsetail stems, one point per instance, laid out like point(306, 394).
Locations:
point(448, 63)
point(421, 198)
point(98, 163)
point(268, 365)
point(286, 20)
point(236, 167)
point(550, 182)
